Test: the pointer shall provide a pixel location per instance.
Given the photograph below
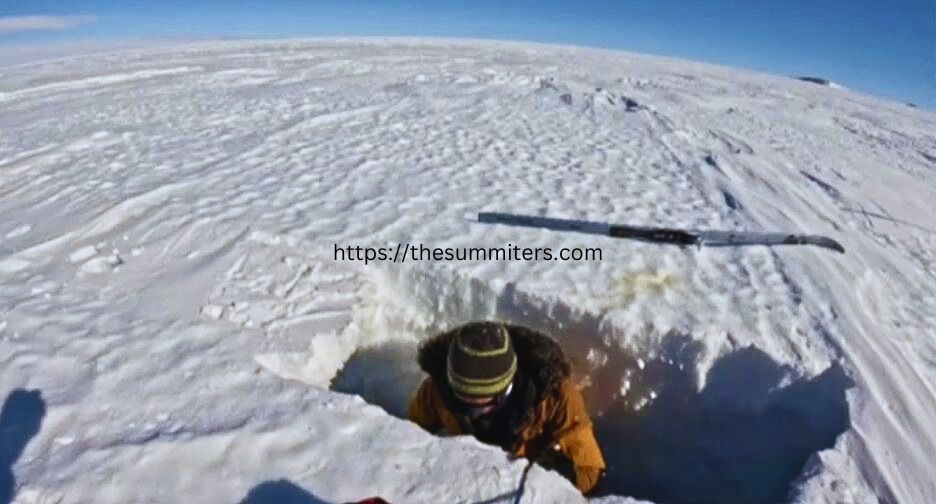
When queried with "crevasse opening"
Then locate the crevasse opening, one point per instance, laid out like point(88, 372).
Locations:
point(745, 435)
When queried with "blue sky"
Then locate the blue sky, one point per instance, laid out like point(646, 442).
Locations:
point(887, 48)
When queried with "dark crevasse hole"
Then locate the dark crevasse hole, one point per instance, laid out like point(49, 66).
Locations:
point(744, 437)
point(384, 375)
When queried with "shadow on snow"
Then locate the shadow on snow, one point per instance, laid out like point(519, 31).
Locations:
point(20, 420)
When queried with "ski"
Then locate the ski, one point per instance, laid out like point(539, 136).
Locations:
point(663, 235)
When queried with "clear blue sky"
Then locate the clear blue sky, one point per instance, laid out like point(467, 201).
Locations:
point(887, 48)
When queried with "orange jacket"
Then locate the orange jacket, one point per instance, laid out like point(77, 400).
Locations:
point(558, 419)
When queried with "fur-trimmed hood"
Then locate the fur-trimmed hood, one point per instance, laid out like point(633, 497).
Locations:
point(545, 419)
point(539, 357)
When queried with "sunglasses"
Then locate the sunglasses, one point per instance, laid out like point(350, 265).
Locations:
point(477, 410)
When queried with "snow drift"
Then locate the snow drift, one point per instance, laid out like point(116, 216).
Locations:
point(174, 327)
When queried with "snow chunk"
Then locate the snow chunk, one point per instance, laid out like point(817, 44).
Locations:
point(83, 254)
point(212, 311)
point(100, 265)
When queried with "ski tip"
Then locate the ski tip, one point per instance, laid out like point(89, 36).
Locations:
point(829, 243)
point(815, 240)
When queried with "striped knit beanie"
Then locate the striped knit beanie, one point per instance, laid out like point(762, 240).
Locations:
point(481, 360)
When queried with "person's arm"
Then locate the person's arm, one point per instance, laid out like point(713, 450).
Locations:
point(422, 408)
point(574, 438)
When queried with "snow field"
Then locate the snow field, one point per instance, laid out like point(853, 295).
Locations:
point(168, 218)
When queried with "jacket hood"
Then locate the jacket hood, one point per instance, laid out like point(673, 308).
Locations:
point(539, 357)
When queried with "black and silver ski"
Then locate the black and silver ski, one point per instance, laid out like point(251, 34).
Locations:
point(663, 235)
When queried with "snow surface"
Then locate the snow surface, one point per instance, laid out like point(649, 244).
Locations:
point(168, 219)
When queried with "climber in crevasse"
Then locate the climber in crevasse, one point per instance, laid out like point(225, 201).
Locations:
point(508, 386)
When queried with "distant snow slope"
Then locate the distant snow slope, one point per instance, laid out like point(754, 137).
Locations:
point(168, 220)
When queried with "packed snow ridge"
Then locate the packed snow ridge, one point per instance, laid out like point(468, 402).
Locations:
point(174, 326)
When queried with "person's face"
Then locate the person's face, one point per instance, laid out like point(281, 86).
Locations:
point(479, 406)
